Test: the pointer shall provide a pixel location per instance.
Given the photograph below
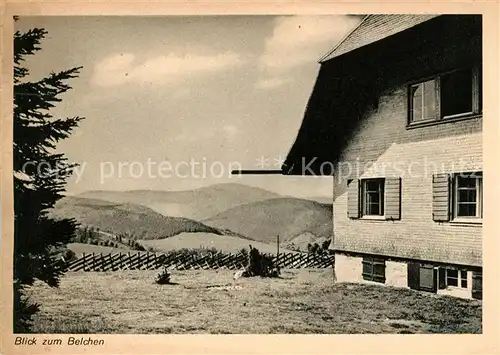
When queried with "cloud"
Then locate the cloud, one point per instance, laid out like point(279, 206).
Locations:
point(123, 68)
point(271, 83)
point(230, 129)
point(303, 39)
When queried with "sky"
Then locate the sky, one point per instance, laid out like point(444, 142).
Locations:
point(175, 103)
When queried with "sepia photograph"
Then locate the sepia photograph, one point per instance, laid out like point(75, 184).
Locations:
point(247, 174)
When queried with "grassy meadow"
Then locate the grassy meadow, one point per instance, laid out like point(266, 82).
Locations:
point(209, 301)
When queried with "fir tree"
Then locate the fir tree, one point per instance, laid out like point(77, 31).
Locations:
point(40, 176)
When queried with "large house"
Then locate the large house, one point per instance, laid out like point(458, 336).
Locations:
point(396, 117)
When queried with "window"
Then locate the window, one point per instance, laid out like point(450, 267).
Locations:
point(449, 95)
point(468, 195)
point(457, 197)
point(423, 101)
point(374, 269)
point(421, 276)
point(456, 278)
point(456, 93)
point(373, 197)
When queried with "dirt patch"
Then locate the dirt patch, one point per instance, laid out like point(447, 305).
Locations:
point(224, 287)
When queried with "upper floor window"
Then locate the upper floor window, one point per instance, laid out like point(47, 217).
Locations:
point(449, 95)
point(458, 197)
point(468, 195)
point(373, 197)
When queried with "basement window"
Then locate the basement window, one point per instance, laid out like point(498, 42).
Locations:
point(445, 96)
point(456, 278)
point(374, 269)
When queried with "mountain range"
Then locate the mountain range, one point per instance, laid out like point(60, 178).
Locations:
point(225, 214)
point(196, 204)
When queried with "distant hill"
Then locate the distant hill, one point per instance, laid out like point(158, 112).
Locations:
point(224, 243)
point(195, 204)
point(321, 199)
point(121, 218)
point(81, 248)
point(286, 217)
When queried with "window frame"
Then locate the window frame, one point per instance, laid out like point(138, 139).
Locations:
point(372, 276)
point(476, 102)
point(479, 197)
point(363, 199)
point(460, 278)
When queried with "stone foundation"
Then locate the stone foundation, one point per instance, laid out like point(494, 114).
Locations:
point(396, 274)
point(348, 268)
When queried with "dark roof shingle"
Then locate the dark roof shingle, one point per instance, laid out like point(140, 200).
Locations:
point(374, 28)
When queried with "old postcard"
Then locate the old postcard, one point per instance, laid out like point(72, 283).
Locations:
point(187, 174)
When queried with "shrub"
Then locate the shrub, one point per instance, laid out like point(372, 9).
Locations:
point(69, 255)
point(163, 278)
point(326, 244)
point(138, 246)
point(260, 264)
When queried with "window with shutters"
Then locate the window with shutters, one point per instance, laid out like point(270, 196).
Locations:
point(458, 197)
point(445, 96)
point(377, 198)
point(373, 197)
point(468, 196)
point(374, 269)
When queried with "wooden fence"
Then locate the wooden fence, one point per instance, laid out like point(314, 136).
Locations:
point(183, 261)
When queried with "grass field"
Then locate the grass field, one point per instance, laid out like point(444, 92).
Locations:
point(207, 301)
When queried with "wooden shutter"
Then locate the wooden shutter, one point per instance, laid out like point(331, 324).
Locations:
point(392, 198)
point(379, 270)
point(353, 199)
point(477, 285)
point(441, 197)
point(427, 275)
point(442, 278)
point(367, 269)
point(413, 275)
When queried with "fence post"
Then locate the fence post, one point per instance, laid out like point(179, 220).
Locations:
point(277, 250)
point(112, 262)
point(84, 262)
point(93, 261)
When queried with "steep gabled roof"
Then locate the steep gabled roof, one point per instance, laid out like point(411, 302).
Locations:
point(373, 28)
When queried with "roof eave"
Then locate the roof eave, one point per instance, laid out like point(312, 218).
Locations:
point(325, 56)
